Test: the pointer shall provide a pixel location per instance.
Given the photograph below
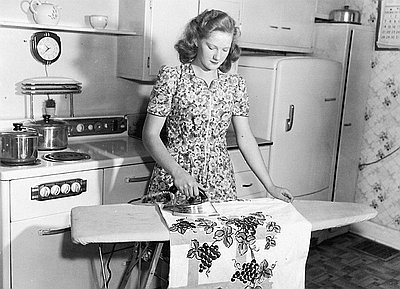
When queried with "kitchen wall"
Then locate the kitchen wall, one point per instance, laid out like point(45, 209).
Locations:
point(86, 57)
point(91, 59)
point(379, 182)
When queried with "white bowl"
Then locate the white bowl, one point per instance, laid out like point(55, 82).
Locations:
point(98, 21)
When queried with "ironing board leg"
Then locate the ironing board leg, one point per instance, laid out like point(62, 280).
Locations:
point(135, 259)
point(153, 265)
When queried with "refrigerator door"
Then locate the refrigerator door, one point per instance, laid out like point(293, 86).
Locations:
point(304, 125)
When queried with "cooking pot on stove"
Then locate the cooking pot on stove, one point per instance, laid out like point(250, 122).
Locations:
point(19, 146)
point(345, 15)
point(53, 134)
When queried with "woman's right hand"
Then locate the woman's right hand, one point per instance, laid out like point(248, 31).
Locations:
point(186, 184)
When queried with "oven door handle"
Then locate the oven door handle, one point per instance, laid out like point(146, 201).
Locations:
point(49, 232)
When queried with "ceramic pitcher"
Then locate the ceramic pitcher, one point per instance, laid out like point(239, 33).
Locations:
point(45, 13)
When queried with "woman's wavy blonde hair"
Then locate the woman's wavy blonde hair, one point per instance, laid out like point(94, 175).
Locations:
point(200, 28)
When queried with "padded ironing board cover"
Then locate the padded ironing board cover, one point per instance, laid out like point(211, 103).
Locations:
point(258, 243)
point(114, 223)
point(117, 223)
point(324, 215)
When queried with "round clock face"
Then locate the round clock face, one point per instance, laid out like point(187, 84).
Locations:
point(46, 47)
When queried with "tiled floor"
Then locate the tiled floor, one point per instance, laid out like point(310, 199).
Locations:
point(333, 264)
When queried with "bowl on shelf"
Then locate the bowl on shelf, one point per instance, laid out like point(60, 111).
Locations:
point(98, 21)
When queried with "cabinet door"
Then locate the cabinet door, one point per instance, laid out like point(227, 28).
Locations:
point(260, 22)
point(159, 24)
point(353, 115)
point(168, 19)
point(281, 25)
point(232, 7)
point(297, 23)
point(122, 184)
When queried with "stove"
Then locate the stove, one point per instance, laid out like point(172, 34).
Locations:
point(36, 201)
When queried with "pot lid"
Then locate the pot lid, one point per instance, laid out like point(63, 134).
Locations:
point(47, 122)
point(345, 9)
point(20, 131)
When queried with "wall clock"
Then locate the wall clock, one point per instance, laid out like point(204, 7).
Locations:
point(46, 47)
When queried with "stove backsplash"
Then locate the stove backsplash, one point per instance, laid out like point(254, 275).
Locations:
point(135, 126)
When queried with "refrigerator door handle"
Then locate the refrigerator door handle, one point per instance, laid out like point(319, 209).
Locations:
point(289, 121)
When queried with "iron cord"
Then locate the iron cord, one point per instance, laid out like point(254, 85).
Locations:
point(362, 166)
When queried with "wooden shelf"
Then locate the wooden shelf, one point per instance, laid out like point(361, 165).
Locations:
point(66, 28)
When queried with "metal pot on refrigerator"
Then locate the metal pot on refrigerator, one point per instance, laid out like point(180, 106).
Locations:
point(345, 15)
point(19, 146)
point(53, 134)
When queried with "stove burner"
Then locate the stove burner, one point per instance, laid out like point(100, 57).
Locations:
point(34, 163)
point(66, 156)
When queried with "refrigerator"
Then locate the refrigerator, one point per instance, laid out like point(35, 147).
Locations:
point(351, 45)
point(294, 104)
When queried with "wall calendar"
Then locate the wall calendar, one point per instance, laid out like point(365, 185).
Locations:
point(388, 25)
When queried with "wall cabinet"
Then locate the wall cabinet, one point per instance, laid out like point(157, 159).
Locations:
point(159, 24)
point(281, 25)
point(232, 7)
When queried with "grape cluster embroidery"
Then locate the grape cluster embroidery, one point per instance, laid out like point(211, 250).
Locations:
point(241, 229)
point(205, 253)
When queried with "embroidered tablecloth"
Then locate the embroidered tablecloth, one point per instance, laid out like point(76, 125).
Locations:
point(252, 244)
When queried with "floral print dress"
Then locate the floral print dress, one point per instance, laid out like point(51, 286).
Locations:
point(197, 119)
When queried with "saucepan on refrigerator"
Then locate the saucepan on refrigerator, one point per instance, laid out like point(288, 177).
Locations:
point(19, 146)
point(53, 134)
point(345, 15)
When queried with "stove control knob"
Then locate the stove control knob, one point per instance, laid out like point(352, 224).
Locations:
point(65, 189)
point(98, 126)
point(44, 192)
point(80, 128)
point(90, 127)
point(55, 190)
point(76, 187)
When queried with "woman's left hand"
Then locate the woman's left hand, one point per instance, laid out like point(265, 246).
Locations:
point(281, 194)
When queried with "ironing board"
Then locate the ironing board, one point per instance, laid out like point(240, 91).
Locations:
point(143, 223)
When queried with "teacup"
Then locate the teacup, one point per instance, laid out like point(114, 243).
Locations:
point(98, 21)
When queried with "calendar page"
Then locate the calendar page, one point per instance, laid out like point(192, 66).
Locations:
point(389, 24)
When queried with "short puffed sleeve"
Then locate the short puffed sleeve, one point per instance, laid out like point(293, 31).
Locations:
point(241, 102)
point(163, 91)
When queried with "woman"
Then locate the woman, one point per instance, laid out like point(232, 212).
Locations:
point(197, 102)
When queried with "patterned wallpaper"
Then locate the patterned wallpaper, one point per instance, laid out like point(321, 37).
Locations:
point(379, 175)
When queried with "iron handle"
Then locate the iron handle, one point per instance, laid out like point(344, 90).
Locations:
point(273, 26)
point(347, 124)
point(136, 179)
point(49, 232)
point(330, 99)
point(289, 121)
point(247, 185)
point(286, 28)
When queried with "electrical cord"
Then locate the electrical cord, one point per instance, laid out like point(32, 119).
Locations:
point(362, 166)
point(108, 265)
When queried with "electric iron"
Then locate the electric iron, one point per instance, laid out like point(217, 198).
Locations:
point(199, 206)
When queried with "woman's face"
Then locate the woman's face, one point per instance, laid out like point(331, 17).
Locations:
point(213, 51)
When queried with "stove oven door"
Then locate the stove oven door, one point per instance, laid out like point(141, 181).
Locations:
point(42, 253)
point(43, 256)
